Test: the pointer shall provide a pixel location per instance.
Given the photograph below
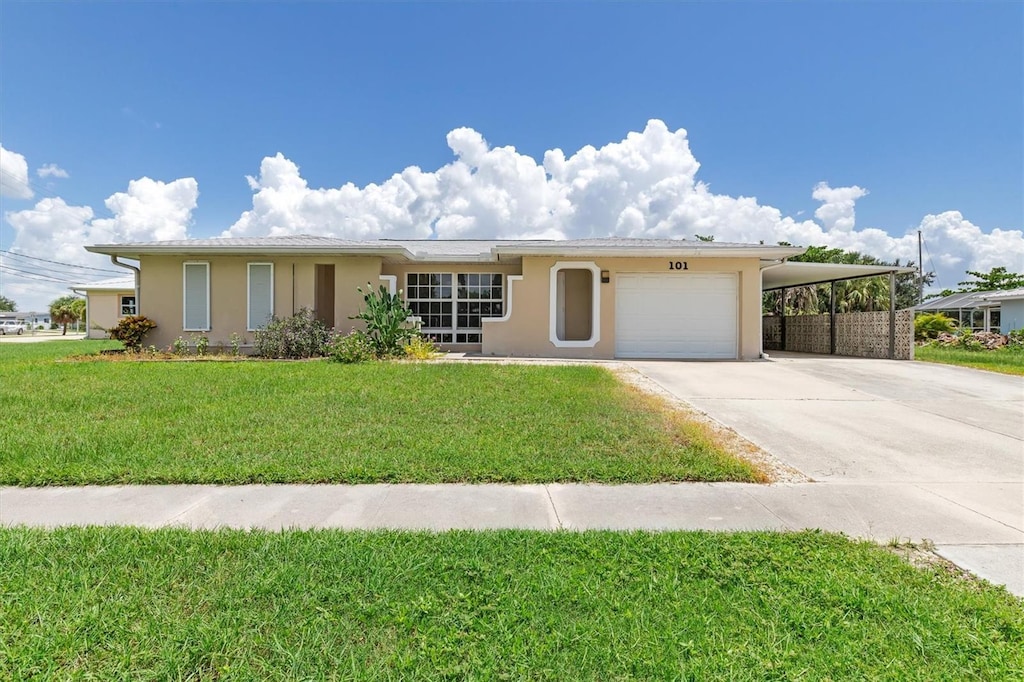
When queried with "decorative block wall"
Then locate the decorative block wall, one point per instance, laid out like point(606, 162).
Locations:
point(863, 335)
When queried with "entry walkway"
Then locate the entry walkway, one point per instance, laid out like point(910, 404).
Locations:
point(985, 544)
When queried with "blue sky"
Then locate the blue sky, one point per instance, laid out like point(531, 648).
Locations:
point(920, 104)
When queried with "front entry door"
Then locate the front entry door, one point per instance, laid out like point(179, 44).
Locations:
point(323, 298)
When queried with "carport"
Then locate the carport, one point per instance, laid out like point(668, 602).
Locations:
point(897, 324)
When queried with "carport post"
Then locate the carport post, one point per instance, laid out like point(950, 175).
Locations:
point(782, 318)
point(892, 315)
point(832, 317)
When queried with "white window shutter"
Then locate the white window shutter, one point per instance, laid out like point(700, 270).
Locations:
point(261, 294)
point(197, 297)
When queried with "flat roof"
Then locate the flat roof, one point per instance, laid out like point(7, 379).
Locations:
point(796, 274)
point(112, 284)
point(444, 250)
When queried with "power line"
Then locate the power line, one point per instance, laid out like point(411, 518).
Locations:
point(70, 265)
point(36, 275)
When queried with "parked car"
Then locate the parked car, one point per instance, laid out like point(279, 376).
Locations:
point(11, 327)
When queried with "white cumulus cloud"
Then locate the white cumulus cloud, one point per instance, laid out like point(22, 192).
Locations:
point(642, 186)
point(51, 170)
point(14, 175)
point(836, 210)
point(54, 230)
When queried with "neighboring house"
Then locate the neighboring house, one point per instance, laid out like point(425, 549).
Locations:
point(969, 310)
point(1010, 304)
point(32, 320)
point(590, 298)
point(106, 302)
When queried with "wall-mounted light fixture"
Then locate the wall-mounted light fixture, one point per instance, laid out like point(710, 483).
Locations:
point(605, 277)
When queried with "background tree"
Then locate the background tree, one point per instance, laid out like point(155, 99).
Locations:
point(7, 305)
point(855, 295)
point(996, 279)
point(67, 310)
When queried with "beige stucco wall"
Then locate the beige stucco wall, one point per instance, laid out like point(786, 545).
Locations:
point(526, 332)
point(103, 311)
point(161, 290)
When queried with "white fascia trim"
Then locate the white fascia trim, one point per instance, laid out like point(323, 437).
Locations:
point(248, 293)
point(129, 251)
point(184, 295)
point(595, 319)
point(655, 252)
point(392, 281)
point(508, 301)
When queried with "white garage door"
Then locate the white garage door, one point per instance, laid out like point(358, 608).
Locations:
point(676, 315)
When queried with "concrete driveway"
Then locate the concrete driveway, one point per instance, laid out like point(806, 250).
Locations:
point(850, 419)
point(923, 450)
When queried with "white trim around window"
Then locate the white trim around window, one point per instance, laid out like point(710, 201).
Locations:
point(195, 299)
point(259, 295)
point(595, 316)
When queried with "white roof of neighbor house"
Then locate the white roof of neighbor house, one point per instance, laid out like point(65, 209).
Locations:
point(972, 299)
point(112, 284)
point(794, 274)
point(1005, 295)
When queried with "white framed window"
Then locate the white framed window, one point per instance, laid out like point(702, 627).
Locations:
point(127, 305)
point(452, 306)
point(260, 297)
point(196, 297)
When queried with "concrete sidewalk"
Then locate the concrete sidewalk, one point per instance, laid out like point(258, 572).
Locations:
point(988, 542)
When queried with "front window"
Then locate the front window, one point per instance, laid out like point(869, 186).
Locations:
point(451, 306)
point(127, 306)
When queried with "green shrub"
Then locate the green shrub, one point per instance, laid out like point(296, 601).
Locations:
point(387, 321)
point(930, 325)
point(965, 339)
point(1015, 341)
point(236, 344)
point(354, 347)
point(298, 336)
point(131, 330)
point(202, 344)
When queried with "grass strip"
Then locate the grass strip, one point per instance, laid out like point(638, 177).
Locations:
point(72, 423)
point(1003, 361)
point(122, 603)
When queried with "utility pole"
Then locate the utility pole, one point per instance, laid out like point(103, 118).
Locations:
point(920, 271)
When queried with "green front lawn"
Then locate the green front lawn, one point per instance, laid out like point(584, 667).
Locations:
point(1005, 361)
point(121, 603)
point(246, 422)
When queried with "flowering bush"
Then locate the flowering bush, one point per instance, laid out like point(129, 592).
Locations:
point(298, 336)
point(354, 347)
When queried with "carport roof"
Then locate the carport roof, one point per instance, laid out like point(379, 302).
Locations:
point(797, 274)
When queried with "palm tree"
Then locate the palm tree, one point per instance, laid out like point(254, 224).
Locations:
point(67, 310)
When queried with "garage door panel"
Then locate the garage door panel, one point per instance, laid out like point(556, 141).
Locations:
point(676, 315)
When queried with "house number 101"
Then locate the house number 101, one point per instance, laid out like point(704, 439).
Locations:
point(677, 265)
